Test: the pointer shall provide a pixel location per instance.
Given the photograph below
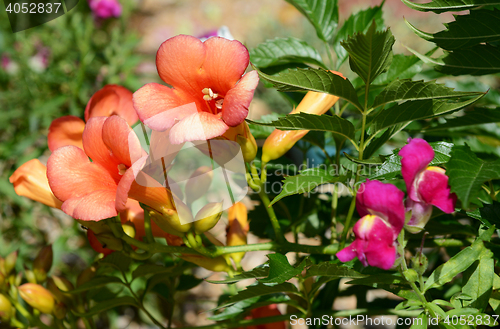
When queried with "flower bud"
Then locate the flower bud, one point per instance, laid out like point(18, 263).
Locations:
point(419, 214)
point(58, 286)
point(10, 262)
point(280, 141)
point(43, 263)
point(86, 275)
point(237, 229)
point(129, 229)
point(172, 221)
point(241, 134)
point(411, 275)
point(198, 183)
point(419, 262)
point(207, 217)
point(30, 275)
point(217, 264)
point(37, 297)
point(5, 308)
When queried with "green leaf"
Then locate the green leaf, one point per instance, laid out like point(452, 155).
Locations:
point(467, 173)
point(370, 54)
point(378, 142)
point(306, 181)
point(151, 269)
point(306, 121)
point(476, 116)
point(488, 215)
point(318, 80)
point(479, 26)
point(455, 265)
point(382, 278)
point(420, 322)
point(372, 161)
point(262, 132)
point(323, 15)
point(439, 6)
point(401, 90)
point(330, 269)
point(476, 60)
point(280, 269)
point(358, 22)
point(402, 67)
point(283, 51)
point(97, 282)
point(109, 304)
point(187, 282)
point(416, 110)
point(392, 165)
point(479, 282)
point(256, 273)
point(261, 289)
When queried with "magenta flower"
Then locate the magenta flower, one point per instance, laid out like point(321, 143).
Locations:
point(105, 8)
point(425, 185)
point(383, 216)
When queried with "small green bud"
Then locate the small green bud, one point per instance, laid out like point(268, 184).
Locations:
point(129, 229)
point(30, 276)
point(37, 297)
point(411, 275)
point(5, 308)
point(10, 262)
point(207, 217)
point(420, 262)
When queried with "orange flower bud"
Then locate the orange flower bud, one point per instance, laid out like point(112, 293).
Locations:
point(37, 297)
point(242, 135)
point(237, 229)
point(207, 217)
point(5, 308)
point(10, 262)
point(239, 212)
point(30, 180)
point(217, 264)
point(279, 142)
point(43, 263)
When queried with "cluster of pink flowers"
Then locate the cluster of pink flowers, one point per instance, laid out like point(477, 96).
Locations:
point(104, 9)
point(383, 211)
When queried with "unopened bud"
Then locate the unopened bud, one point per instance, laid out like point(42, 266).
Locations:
point(198, 183)
point(176, 222)
point(129, 229)
point(59, 286)
point(236, 236)
point(86, 276)
point(411, 275)
point(10, 262)
point(30, 275)
point(247, 143)
point(207, 217)
point(37, 297)
point(217, 264)
point(419, 262)
point(43, 263)
point(5, 308)
point(239, 212)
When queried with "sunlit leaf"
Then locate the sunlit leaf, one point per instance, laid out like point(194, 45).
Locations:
point(280, 269)
point(323, 15)
point(439, 6)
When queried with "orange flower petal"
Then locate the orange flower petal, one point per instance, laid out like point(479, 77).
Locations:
point(197, 127)
point(112, 100)
point(86, 188)
point(237, 101)
point(30, 180)
point(64, 131)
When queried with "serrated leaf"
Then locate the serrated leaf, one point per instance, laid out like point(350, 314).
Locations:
point(323, 15)
point(280, 269)
point(306, 181)
point(392, 165)
point(97, 282)
point(372, 161)
point(476, 60)
point(109, 304)
point(416, 110)
point(261, 289)
point(305, 121)
point(479, 282)
point(476, 116)
point(256, 273)
point(370, 54)
point(357, 22)
point(439, 6)
point(402, 67)
point(467, 173)
point(332, 270)
point(455, 265)
point(479, 26)
point(378, 142)
point(489, 214)
point(283, 51)
point(401, 90)
point(318, 80)
point(262, 132)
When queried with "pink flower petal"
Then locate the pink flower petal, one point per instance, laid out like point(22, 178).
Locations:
point(350, 252)
point(112, 100)
point(64, 131)
point(237, 100)
point(197, 127)
point(121, 141)
point(383, 200)
point(416, 156)
point(159, 107)
point(433, 189)
point(420, 214)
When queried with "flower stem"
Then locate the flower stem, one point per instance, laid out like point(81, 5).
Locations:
point(272, 216)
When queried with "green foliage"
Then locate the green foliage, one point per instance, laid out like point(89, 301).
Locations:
point(323, 15)
point(438, 6)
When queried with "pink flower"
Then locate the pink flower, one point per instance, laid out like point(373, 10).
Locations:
point(383, 216)
point(105, 8)
point(425, 185)
point(209, 93)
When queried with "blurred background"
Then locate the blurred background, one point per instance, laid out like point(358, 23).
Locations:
point(53, 69)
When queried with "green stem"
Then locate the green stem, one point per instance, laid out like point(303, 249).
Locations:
point(24, 312)
point(272, 216)
point(147, 227)
point(347, 223)
point(335, 201)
